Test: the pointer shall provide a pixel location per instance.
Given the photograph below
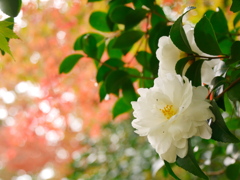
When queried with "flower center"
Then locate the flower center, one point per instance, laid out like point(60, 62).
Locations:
point(168, 111)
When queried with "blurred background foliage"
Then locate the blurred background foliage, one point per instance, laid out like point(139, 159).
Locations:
point(53, 126)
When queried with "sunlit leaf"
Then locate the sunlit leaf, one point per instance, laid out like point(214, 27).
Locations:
point(120, 107)
point(69, 62)
point(98, 20)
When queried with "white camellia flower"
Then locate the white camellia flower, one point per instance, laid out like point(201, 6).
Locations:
point(168, 55)
point(171, 112)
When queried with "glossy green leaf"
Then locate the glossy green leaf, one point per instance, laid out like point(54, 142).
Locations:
point(143, 58)
point(107, 67)
point(181, 64)
point(235, 6)
point(69, 62)
point(170, 171)
point(159, 30)
point(178, 35)
point(209, 13)
point(119, 14)
point(11, 7)
point(236, 19)
point(135, 17)
point(128, 91)
point(113, 52)
point(219, 24)
point(233, 93)
point(158, 16)
point(190, 164)
point(78, 45)
point(220, 131)
point(194, 73)
point(127, 39)
point(133, 73)
point(98, 20)
point(102, 92)
point(115, 80)
point(233, 171)
point(225, 45)
point(205, 37)
point(154, 65)
point(235, 53)
point(120, 107)
point(89, 44)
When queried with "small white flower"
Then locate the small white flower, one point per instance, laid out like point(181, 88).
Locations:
point(168, 55)
point(171, 112)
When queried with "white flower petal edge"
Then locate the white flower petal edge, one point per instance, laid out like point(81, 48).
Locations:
point(171, 112)
point(168, 55)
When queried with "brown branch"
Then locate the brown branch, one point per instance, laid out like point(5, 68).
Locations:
point(229, 87)
point(215, 173)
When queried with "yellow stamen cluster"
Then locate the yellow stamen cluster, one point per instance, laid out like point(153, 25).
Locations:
point(168, 111)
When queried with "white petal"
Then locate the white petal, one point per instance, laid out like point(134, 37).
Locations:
point(170, 155)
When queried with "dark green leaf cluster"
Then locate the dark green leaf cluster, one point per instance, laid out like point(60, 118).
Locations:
point(131, 26)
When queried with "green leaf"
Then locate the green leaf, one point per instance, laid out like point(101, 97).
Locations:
point(69, 62)
point(181, 64)
point(113, 52)
point(148, 3)
point(5, 23)
point(236, 19)
point(119, 14)
point(235, 6)
point(170, 171)
point(209, 13)
point(233, 171)
point(159, 30)
point(115, 80)
point(127, 39)
point(133, 73)
point(219, 24)
point(143, 58)
point(4, 45)
point(233, 92)
point(78, 45)
point(11, 7)
point(120, 107)
point(128, 91)
point(134, 17)
point(235, 53)
point(205, 37)
point(89, 44)
point(158, 16)
point(154, 65)
point(220, 131)
point(98, 20)
point(178, 35)
point(102, 92)
point(190, 164)
point(107, 67)
point(194, 73)
point(8, 33)
point(225, 46)
point(145, 82)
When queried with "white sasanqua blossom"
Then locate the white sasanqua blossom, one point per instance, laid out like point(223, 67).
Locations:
point(168, 55)
point(171, 112)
